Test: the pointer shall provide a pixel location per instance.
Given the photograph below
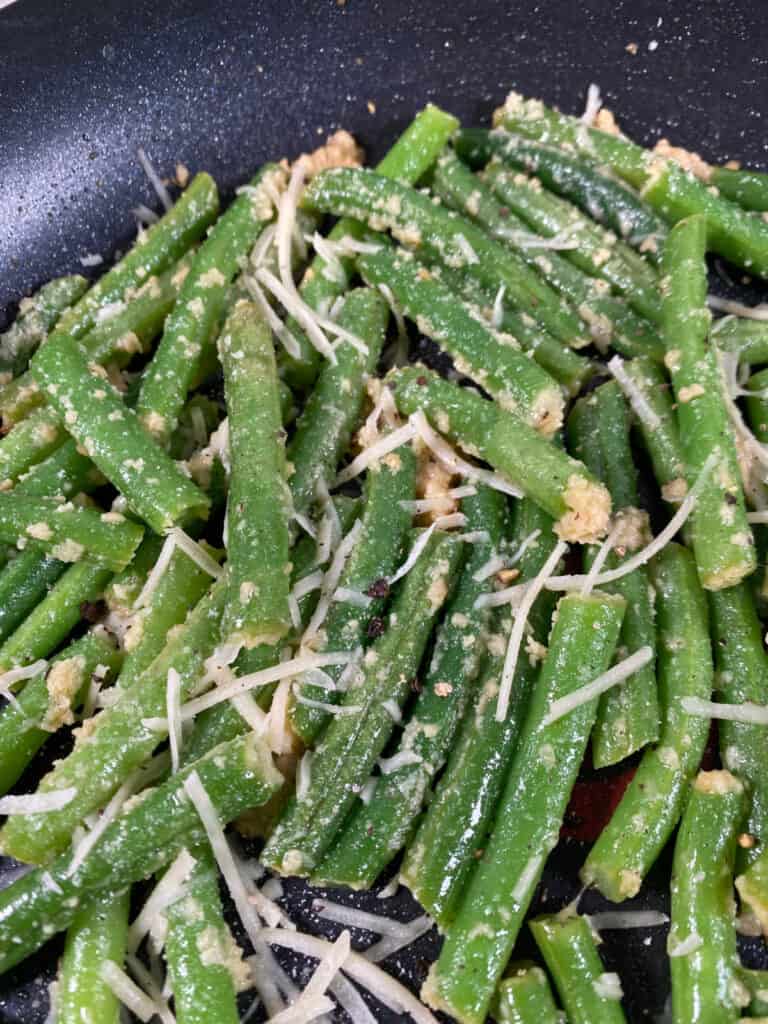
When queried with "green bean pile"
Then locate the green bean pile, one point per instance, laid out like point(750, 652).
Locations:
point(277, 574)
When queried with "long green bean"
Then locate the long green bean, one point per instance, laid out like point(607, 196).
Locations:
point(524, 997)
point(480, 939)
point(561, 485)
point(702, 936)
point(97, 934)
point(37, 316)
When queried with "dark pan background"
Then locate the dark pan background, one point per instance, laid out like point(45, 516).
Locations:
point(224, 86)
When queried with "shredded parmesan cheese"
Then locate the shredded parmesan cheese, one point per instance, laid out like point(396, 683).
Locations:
point(173, 711)
point(759, 312)
point(154, 179)
point(331, 580)
point(533, 589)
point(37, 803)
point(167, 891)
point(617, 674)
point(389, 443)
point(634, 395)
point(746, 712)
point(128, 992)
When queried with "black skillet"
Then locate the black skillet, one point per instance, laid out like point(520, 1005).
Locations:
point(223, 86)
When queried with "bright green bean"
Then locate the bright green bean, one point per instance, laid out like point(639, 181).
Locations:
point(37, 316)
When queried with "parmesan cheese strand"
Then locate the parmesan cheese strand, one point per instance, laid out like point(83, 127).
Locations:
point(600, 558)
point(759, 312)
point(321, 705)
point(610, 920)
point(594, 103)
point(453, 461)
point(22, 672)
point(392, 944)
point(154, 179)
point(306, 1006)
point(167, 891)
point(389, 443)
point(279, 327)
point(401, 759)
point(128, 992)
point(291, 301)
point(382, 986)
point(434, 501)
point(108, 815)
point(274, 674)
point(196, 553)
point(617, 674)
point(758, 517)
point(350, 1000)
point(637, 400)
point(244, 902)
point(746, 712)
point(345, 595)
point(497, 314)
point(575, 582)
point(331, 580)
point(37, 803)
point(441, 523)
point(499, 562)
point(173, 711)
point(533, 589)
point(328, 910)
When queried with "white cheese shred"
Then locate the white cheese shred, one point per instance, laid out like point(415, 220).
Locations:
point(617, 674)
point(320, 705)
point(223, 854)
point(154, 179)
point(592, 108)
point(575, 582)
point(637, 400)
point(22, 672)
point(108, 815)
point(128, 992)
point(391, 944)
point(381, 985)
point(746, 712)
point(608, 986)
point(619, 920)
point(331, 580)
point(389, 443)
point(453, 461)
point(402, 759)
point(279, 327)
point(759, 312)
point(273, 674)
point(37, 803)
point(173, 711)
point(167, 891)
point(600, 559)
point(533, 589)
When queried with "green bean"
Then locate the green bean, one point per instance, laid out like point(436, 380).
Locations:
point(114, 340)
point(30, 442)
point(609, 318)
point(193, 323)
point(56, 615)
point(598, 251)
point(531, 119)
point(374, 833)
point(407, 161)
point(575, 178)
point(566, 366)
point(178, 590)
point(64, 474)
point(721, 537)
point(257, 609)
point(747, 188)
point(702, 935)
point(661, 435)
point(562, 486)
point(441, 235)
point(628, 716)
point(97, 934)
point(70, 532)
point(148, 834)
point(324, 429)
point(746, 337)
point(124, 588)
point(742, 675)
point(155, 250)
point(528, 820)
point(37, 316)
point(731, 232)
point(570, 952)
point(352, 743)
point(204, 962)
point(493, 361)
point(112, 436)
point(651, 806)
point(752, 886)
point(117, 741)
point(381, 544)
point(524, 997)
point(47, 701)
point(458, 820)
point(24, 582)
point(673, 192)
point(756, 983)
